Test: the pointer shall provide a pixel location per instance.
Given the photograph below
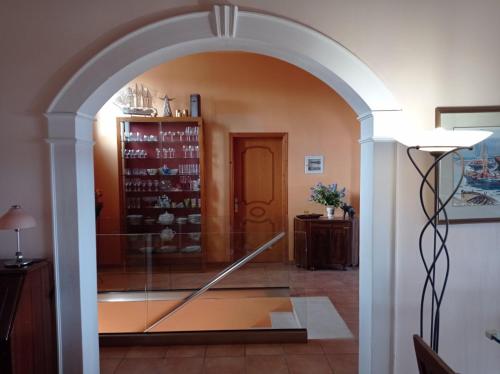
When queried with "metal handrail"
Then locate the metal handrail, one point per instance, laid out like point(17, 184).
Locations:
point(224, 273)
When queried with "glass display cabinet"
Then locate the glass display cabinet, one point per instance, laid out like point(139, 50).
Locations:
point(162, 189)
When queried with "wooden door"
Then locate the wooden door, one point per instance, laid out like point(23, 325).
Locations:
point(259, 194)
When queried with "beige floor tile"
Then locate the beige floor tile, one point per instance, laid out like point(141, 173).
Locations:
point(109, 365)
point(263, 349)
point(343, 363)
point(186, 351)
point(226, 350)
point(113, 352)
point(340, 346)
point(311, 347)
point(147, 352)
point(224, 365)
point(308, 364)
point(141, 366)
point(183, 365)
point(266, 364)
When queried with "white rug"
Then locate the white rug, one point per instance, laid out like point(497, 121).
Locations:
point(320, 317)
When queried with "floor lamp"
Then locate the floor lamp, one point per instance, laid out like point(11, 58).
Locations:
point(440, 143)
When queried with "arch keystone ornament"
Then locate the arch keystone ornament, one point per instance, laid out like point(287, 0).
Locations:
point(224, 28)
point(225, 19)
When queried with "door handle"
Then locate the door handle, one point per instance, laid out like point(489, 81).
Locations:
point(236, 205)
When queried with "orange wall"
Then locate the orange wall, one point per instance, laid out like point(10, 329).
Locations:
point(106, 181)
point(242, 92)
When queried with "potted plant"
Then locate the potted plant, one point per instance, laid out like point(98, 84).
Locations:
point(328, 195)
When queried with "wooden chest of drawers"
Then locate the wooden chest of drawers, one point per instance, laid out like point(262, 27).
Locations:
point(27, 320)
point(322, 243)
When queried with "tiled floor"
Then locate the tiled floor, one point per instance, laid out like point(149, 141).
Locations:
point(316, 357)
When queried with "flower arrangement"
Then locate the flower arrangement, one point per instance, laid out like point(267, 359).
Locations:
point(328, 195)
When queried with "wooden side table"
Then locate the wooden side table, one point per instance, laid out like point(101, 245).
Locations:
point(322, 243)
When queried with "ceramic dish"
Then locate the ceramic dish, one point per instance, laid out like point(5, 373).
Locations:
point(195, 236)
point(146, 249)
point(167, 249)
point(134, 219)
point(181, 220)
point(194, 219)
point(191, 249)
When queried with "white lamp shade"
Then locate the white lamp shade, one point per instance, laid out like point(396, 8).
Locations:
point(16, 218)
point(441, 140)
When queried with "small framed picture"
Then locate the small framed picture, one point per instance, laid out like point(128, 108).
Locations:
point(314, 164)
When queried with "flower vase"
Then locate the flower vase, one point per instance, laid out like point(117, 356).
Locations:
point(330, 210)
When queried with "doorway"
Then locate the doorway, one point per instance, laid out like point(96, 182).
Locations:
point(70, 117)
point(258, 193)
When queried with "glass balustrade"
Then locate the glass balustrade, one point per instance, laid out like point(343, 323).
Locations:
point(144, 277)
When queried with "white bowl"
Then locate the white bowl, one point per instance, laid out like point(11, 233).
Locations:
point(167, 249)
point(146, 249)
point(191, 249)
point(134, 219)
point(181, 220)
point(195, 236)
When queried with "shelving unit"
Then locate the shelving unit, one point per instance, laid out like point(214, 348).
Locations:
point(161, 169)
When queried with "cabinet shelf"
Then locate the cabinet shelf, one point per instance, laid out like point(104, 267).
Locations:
point(177, 142)
point(141, 159)
point(158, 176)
point(158, 193)
point(159, 159)
point(161, 209)
point(140, 141)
point(133, 229)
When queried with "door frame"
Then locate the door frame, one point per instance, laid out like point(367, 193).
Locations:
point(284, 180)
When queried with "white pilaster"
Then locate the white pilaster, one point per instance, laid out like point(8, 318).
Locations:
point(73, 216)
point(377, 233)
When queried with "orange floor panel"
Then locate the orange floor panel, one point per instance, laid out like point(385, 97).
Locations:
point(200, 315)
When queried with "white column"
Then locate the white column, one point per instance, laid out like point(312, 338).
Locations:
point(73, 215)
point(377, 234)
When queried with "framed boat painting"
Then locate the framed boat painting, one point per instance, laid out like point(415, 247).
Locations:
point(478, 197)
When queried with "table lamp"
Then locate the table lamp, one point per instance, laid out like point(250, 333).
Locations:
point(16, 219)
point(439, 143)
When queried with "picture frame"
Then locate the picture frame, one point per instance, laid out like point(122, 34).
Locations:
point(314, 164)
point(478, 197)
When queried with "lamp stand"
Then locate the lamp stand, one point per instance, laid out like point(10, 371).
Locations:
point(20, 261)
point(439, 238)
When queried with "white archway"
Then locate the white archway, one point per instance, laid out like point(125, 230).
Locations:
point(70, 118)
